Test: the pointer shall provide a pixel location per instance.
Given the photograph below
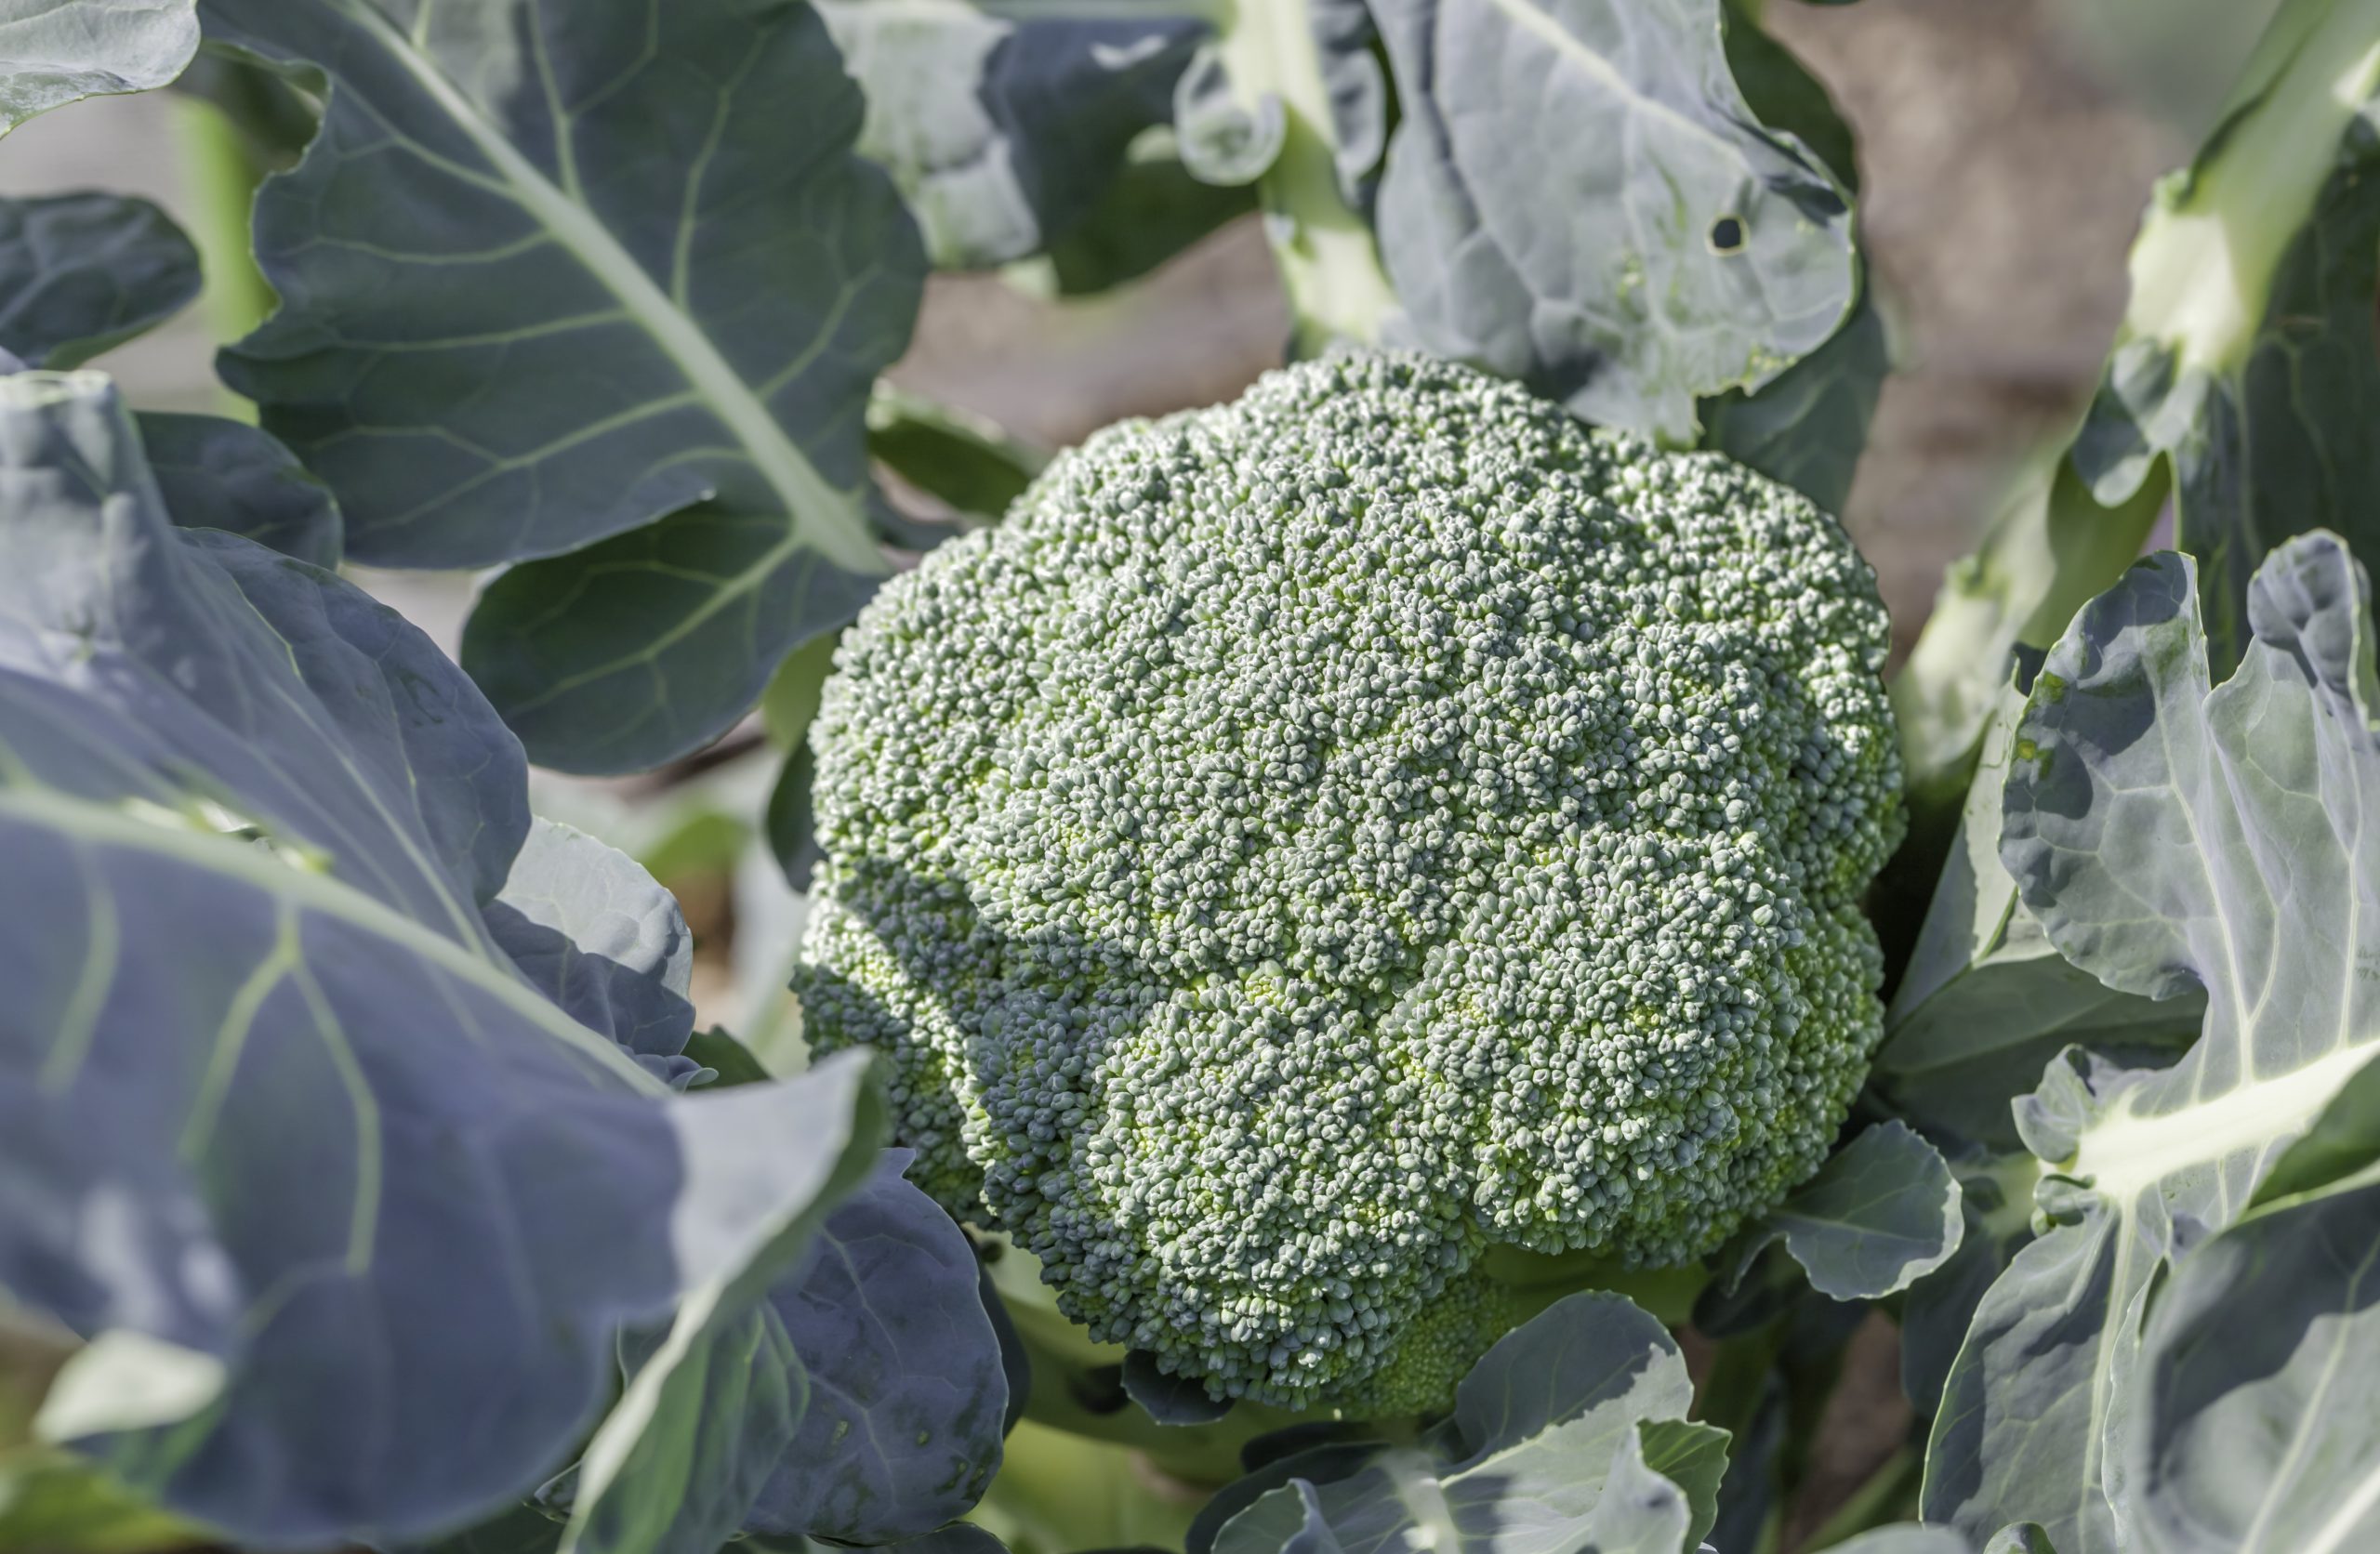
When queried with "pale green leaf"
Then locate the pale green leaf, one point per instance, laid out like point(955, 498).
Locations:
point(2170, 835)
point(53, 52)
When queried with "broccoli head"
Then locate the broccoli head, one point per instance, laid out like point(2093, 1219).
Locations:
point(1319, 838)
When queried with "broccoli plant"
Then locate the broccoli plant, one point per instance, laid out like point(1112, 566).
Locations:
point(1388, 963)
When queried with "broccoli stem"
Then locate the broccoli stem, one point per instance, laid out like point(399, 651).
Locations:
point(1329, 266)
point(1057, 1491)
point(221, 171)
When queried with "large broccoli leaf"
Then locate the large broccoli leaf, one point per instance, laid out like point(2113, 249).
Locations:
point(346, 1213)
point(53, 52)
point(1987, 999)
point(1809, 424)
point(595, 933)
point(80, 273)
point(602, 280)
point(1881, 1213)
point(2254, 1432)
point(2170, 837)
point(1569, 1436)
point(1677, 249)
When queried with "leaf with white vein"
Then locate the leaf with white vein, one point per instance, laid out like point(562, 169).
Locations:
point(555, 274)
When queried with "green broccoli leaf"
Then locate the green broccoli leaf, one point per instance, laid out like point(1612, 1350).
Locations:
point(83, 273)
point(1677, 249)
point(1550, 1445)
point(217, 473)
point(2243, 383)
point(2247, 358)
point(53, 52)
point(1996, 1204)
point(595, 933)
point(1881, 1213)
point(1987, 1000)
point(907, 1395)
point(2171, 836)
point(1808, 425)
point(1003, 131)
point(367, 1179)
point(2253, 1433)
point(625, 320)
point(958, 457)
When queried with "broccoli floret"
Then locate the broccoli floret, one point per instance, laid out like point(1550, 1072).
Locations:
point(1321, 837)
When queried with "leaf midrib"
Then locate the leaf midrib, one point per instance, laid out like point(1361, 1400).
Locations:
point(326, 895)
point(815, 510)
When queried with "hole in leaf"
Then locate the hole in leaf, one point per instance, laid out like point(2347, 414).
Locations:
point(1726, 235)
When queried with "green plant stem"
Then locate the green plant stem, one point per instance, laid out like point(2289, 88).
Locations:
point(1329, 265)
point(221, 171)
point(1057, 1492)
point(1537, 1280)
point(1732, 1388)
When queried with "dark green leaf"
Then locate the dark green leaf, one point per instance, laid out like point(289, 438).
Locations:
point(83, 273)
point(366, 1180)
point(1313, 1464)
point(651, 285)
point(222, 474)
point(1639, 1511)
point(648, 645)
point(960, 1537)
point(1675, 250)
point(1694, 1458)
point(792, 819)
point(730, 1061)
point(1016, 1359)
point(1996, 1200)
point(592, 931)
point(1152, 211)
point(1808, 425)
point(1987, 1001)
point(1002, 131)
point(522, 1529)
point(1543, 1446)
point(1783, 94)
point(2248, 357)
point(959, 458)
point(1169, 1400)
point(909, 1399)
point(710, 1410)
point(1881, 1213)
point(53, 52)
point(2254, 1433)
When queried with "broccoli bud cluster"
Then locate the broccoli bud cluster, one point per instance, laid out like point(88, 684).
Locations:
point(1321, 837)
